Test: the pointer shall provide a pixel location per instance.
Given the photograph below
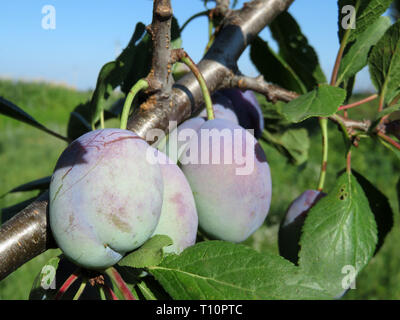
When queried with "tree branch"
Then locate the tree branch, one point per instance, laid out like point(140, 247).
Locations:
point(27, 234)
point(218, 65)
point(272, 92)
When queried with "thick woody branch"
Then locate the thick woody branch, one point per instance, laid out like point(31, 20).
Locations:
point(222, 7)
point(219, 64)
point(160, 77)
point(26, 235)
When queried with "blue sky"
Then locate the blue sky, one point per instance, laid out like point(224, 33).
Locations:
point(90, 33)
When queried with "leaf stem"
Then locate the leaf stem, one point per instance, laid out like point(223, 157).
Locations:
point(389, 140)
point(324, 129)
point(109, 293)
point(142, 84)
point(348, 162)
point(206, 93)
point(146, 291)
point(80, 290)
point(339, 58)
point(121, 284)
point(101, 290)
point(71, 279)
point(358, 103)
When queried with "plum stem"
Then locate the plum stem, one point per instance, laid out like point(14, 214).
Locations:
point(121, 284)
point(200, 14)
point(324, 129)
point(71, 279)
point(142, 84)
point(80, 290)
point(184, 57)
point(102, 119)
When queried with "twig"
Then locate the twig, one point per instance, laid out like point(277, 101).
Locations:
point(219, 64)
point(271, 92)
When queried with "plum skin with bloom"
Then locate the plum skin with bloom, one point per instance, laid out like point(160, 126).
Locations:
point(246, 107)
point(178, 218)
point(230, 206)
point(292, 224)
point(100, 204)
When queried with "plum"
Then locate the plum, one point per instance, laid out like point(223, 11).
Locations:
point(105, 197)
point(292, 224)
point(178, 139)
point(230, 179)
point(178, 218)
point(245, 105)
point(220, 112)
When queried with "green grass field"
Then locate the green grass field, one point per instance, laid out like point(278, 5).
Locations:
point(27, 153)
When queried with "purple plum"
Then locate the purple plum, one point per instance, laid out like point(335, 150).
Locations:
point(220, 112)
point(105, 197)
point(246, 107)
point(230, 179)
point(290, 228)
point(178, 218)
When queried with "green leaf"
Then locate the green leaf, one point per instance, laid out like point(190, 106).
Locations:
point(9, 109)
point(356, 53)
point(384, 64)
point(45, 280)
point(321, 102)
point(149, 254)
point(215, 270)
point(39, 184)
point(115, 73)
point(367, 12)
point(388, 110)
point(274, 68)
point(296, 51)
point(339, 231)
point(142, 54)
point(380, 207)
point(292, 143)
